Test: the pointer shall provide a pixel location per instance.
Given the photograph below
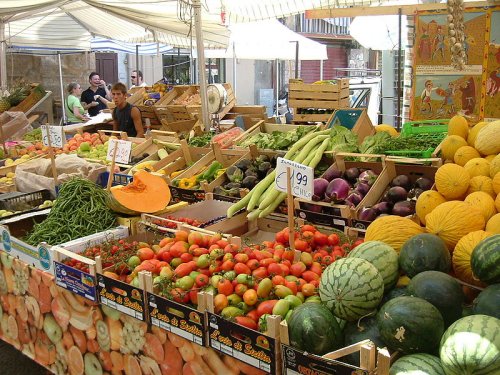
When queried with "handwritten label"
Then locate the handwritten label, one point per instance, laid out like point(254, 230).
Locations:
point(301, 177)
point(122, 153)
point(75, 281)
point(56, 135)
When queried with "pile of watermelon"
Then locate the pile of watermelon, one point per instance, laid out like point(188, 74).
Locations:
point(410, 303)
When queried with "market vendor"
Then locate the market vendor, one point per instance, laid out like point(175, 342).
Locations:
point(126, 117)
point(76, 112)
point(95, 98)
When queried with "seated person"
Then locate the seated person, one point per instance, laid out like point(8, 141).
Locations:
point(75, 112)
point(126, 117)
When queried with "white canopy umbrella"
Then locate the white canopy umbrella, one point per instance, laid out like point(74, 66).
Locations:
point(383, 32)
point(103, 44)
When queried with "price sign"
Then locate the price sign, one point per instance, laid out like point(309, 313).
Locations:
point(56, 134)
point(122, 153)
point(301, 178)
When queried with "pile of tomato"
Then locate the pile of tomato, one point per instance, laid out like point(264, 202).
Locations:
point(247, 283)
point(169, 223)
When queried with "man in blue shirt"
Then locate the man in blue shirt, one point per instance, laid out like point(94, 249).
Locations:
point(94, 99)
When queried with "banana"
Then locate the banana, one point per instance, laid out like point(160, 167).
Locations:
point(81, 321)
point(74, 301)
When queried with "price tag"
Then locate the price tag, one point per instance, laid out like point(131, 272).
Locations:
point(123, 152)
point(301, 177)
point(56, 134)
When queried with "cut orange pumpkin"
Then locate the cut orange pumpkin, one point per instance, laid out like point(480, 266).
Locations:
point(147, 193)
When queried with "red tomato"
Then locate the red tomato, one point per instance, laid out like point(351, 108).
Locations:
point(250, 297)
point(201, 280)
point(145, 253)
point(289, 255)
point(246, 322)
point(266, 307)
point(328, 260)
point(241, 258)
point(193, 296)
point(297, 269)
point(230, 248)
point(267, 261)
point(228, 265)
point(309, 276)
point(301, 245)
point(220, 302)
point(308, 290)
point(280, 237)
point(316, 268)
point(275, 269)
point(268, 244)
point(222, 244)
point(181, 235)
point(179, 295)
point(308, 236)
point(278, 280)
point(260, 273)
point(318, 257)
point(253, 315)
point(293, 286)
point(357, 242)
point(242, 268)
point(285, 270)
point(240, 289)
point(253, 264)
point(186, 257)
point(320, 239)
point(199, 251)
point(224, 286)
point(333, 239)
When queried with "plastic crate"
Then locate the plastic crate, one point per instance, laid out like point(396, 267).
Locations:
point(24, 201)
point(118, 179)
point(435, 129)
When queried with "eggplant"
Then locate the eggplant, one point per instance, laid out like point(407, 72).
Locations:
point(244, 164)
point(312, 207)
point(233, 185)
point(337, 190)
point(367, 177)
point(424, 183)
point(368, 214)
point(402, 180)
point(262, 159)
point(234, 174)
point(251, 172)
point(415, 193)
point(397, 194)
point(404, 208)
point(354, 198)
point(331, 173)
point(352, 174)
point(383, 207)
point(320, 185)
point(362, 188)
point(249, 182)
point(263, 168)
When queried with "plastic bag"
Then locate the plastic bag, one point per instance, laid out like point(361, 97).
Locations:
point(14, 125)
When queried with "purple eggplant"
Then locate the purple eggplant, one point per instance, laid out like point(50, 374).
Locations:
point(383, 207)
point(352, 174)
point(367, 177)
point(312, 207)
point(331, 173)
point(337, 190)
point(403, 181)
point(415, 193)
point(354, 198)
point(362, 188)
point(368, 214)
point(424, 183)
point(396, 194)
point(404, 208)
point(320, 185)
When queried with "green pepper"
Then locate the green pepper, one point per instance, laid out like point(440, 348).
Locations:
point(209, 173)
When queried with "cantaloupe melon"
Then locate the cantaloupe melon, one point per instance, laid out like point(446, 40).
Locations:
point(482, 201)
point(426, 202)
point(490, 157)
point(496, 183)
point(392, 230)
point(497, 203)
point(458, 125)
point(471, 138)
point(493, 225)
point(452, 181)
point(488, 139)
point(481, 183)
point(450, 145)
point(494, 165)
point(478, 167)
point(462, 254)
point(387, 128)
point(464, 154)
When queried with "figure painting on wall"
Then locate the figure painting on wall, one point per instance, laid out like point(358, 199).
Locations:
point(426, 97)
point(492, 98)
point(448, 106)
point(438, 43)
point(468, 96)
point(424, 48)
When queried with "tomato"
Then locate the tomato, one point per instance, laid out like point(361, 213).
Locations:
point(250, 297)
point(220, 302)
point(316, 268)
point(318, 257)
point(308, 236)
point(227, 265)
point(266, 307)
point(186, 257)
point(333, 239)
point(346, 247)
point(203, 261)
point(145, 253)
point(301, 245)
point(199, 251)
point(320, 239)
point(181, 235)
point(193, 296)
point(260, 273)
point(195, 238)
point(309, 276)
point(268, 244)
point(285, 270)
point(224, 286)
point(246, 322)
point(357, 242)
point(158, 268)
point(278, 280)
point(293, 286)
point(264, 288)
point(306, 258)
point(201, 280)
point(240, 289)
point(280, 237)
point(262, 254)
point(278, 254)
point(315, 283)
point(281, 308)
point(328, 260)
point(241, 258)
point(214, 281)
point(288, 255)
point(178, 248)
point(216, 253)
point(231, 248)
point(282, 291)
point(179, 295)
point(307, 228)
point(253, 315)
point(253, 264)
point(227, 256)
point(274, 269)
point(242, 268)
point(308, 290)
point(267, 261)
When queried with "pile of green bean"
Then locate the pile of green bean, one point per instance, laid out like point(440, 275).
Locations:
point(80, 210)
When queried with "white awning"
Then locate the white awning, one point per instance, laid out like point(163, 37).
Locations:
point(103, 44)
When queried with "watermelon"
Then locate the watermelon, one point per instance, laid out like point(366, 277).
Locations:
point(417, 364)
point(410, 325)
point(383, 257)
point(471, 345)
point(393, 293)
point(351, 288)
point(488, 302)
point(313, 328)
point(354, 332)
point(485, 260)
point(424, 252)
point(442, 290)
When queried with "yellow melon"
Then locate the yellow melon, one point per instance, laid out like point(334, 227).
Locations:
point(464, 154)
point(450, 145)
point(497, 203)
point(481, 183)
point(482, 201)
point(490, 157)
point(496, 183)
point(453, 220)
point(493, 225)
point(494, 165)
point(392, 230)
point(478, 167)
point(452, 181)
point(426, 202)
point(462, 254)
point(387, 128)
point(488, 139)
point(458, 125)
point(471, 138)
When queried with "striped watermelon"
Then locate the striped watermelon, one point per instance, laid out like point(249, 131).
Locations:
point(488, 302)
point(351, 288)
point(471, 346)
point(417, 364)
point(410, 325)
point(383, 257)
point(485, 260)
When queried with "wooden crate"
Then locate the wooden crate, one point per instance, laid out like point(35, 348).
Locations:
point(250, 111)
point(161, 110)
point(36, 94)
point(324, 97)
point(195, 110)
point(134, 97)
point(179, 112)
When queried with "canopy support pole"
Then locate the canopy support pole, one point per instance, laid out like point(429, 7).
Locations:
point(63, 105)
point(400, 20)
point(277, 85)
point(137, 59)
point(321, 70)
point(296, 58)
point(3, 57)
point(201, 64)
point(234, 69)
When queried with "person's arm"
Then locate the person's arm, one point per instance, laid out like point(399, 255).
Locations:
point(103, 99)
point(108, 93)
point(76, 112)
point(136, 117)
point(88, 102)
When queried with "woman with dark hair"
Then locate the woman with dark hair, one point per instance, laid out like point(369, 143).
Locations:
point(75, 112)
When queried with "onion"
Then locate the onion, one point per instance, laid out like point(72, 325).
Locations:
point(331, 173)
point(320, 185)
point(397, 194)
point(362, 188)
point(383, 207)
point(352, 174)
point(401, 180)
point(337, 190)
point(424, 183)
point(368, 214)
point(367, 177)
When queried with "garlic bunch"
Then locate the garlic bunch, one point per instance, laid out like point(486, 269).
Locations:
point(456, 32)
